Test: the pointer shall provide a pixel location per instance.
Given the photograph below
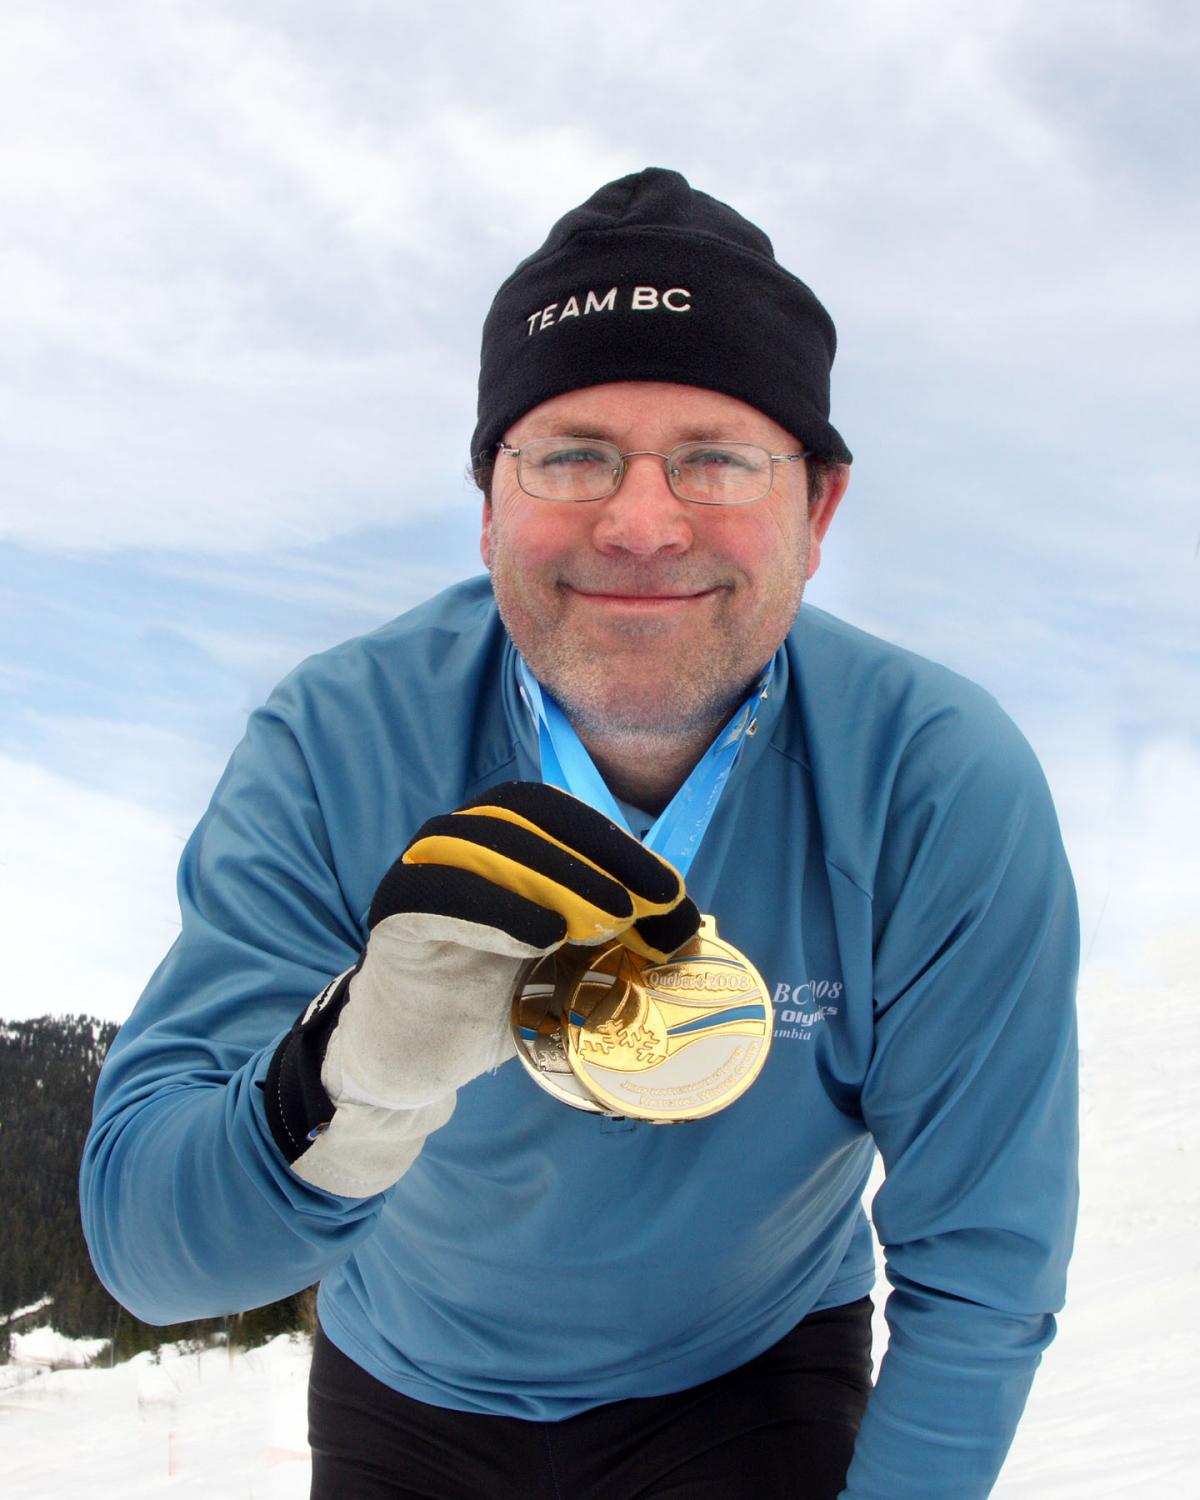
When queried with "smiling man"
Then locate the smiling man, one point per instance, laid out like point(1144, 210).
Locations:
point(640, 906)
point(649, 615)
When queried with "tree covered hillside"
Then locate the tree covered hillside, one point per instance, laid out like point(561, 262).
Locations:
point(48, 1070)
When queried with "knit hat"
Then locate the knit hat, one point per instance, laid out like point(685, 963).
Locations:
point(652, 280)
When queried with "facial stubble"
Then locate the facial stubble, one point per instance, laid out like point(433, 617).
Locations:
point(624, 698)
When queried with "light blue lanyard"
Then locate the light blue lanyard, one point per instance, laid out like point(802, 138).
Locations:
point(677, 833)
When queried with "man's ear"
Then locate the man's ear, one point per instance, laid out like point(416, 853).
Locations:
point(821, 512)
point(485, 535)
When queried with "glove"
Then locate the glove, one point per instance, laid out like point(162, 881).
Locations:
point(374, 1064)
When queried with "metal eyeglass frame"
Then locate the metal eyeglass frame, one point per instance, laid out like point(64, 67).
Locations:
point(672, 473)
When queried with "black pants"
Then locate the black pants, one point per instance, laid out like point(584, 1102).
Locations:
point(781, 1426)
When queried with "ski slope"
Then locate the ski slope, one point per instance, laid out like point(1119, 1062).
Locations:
point(1112, 1412)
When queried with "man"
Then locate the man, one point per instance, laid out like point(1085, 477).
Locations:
point(524, 1299)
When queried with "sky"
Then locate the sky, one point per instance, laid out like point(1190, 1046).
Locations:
point(245, 253)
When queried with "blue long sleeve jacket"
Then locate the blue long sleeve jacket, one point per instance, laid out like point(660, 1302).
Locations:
point(886, 853)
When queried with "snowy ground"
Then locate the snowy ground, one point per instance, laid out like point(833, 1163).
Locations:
point(189, 1425)
point(1112, 1413)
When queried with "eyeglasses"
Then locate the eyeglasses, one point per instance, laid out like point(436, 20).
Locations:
point(710, 471)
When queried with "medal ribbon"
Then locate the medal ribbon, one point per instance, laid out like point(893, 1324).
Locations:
point(677, 833)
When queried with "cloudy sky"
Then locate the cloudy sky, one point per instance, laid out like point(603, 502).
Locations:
point(245, 251)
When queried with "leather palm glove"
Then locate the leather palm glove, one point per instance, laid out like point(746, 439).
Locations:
point(373, 1065)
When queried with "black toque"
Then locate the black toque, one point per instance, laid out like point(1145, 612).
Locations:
point(652, 280)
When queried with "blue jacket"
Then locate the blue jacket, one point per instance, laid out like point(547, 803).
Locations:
point(887, 854)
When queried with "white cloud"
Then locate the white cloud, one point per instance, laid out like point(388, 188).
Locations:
point(232, 304)
point(376, 583)
point(1131, 821)
point(146, 763)
point(87, 892)
point(248, 251)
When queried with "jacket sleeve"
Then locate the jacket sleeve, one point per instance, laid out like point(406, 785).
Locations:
point(971, 1097)
point(188, 1207)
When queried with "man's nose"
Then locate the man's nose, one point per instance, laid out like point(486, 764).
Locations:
point(644, 516)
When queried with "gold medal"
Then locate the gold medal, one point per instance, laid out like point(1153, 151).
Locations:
point(669, 1041)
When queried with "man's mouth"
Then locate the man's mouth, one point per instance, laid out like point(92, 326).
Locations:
point(640, 595)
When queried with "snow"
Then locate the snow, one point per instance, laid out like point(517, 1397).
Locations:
point(43, 1346)
point(25, 1312)
point(1112, 1412)
point(219, 1425)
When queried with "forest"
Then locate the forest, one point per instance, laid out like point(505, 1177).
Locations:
point(48, 1070)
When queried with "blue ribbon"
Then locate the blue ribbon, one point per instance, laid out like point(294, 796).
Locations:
point(677, 833)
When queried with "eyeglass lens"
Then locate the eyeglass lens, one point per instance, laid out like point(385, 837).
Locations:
point(711, 473)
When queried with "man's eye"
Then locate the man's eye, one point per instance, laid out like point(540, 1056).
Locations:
point(565, 458)
point(717, 458)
